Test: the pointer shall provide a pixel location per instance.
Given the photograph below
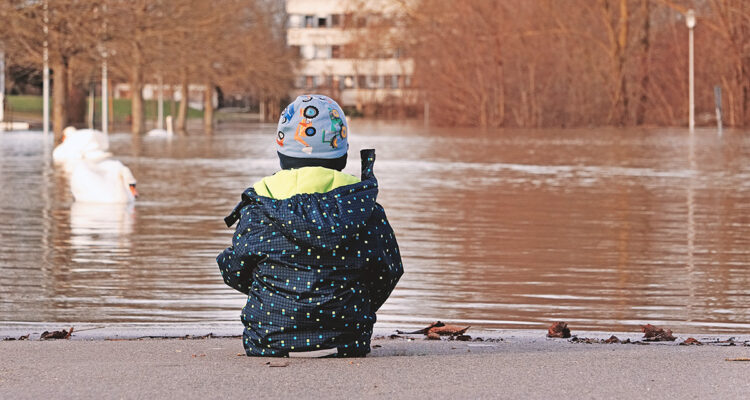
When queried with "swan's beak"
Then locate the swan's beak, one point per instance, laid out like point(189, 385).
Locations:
point(133, 190)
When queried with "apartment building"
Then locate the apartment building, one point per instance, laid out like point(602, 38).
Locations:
point(334, 62)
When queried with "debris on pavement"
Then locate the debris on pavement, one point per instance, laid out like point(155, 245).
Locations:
point(656, 334)
point(437, 329)
point(277, 364)
point(558, 330)
point(728, 342)
point(422, 331)
point(24, 337)
point(63, 334)
point(615, 339)
point(691, 342)
point(451, 330)
point(611, 340)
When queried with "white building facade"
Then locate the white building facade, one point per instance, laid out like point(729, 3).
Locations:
point(324, 32)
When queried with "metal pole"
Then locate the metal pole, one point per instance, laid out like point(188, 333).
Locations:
point(719, 121)
point(105, 81)
point(45, 73)
point(92, 105)
point(692, 80)
point(2, 86)
point(690, 20)
point(105, 96)
point(160, 109)
point(427, 113)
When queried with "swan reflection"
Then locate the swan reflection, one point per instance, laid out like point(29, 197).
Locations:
point(101, 227)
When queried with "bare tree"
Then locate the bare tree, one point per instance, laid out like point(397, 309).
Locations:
point(71, 35)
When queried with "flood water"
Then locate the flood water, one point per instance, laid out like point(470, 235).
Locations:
point(605, 229)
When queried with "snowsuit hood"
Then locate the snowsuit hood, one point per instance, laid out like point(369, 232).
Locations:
point(316, 267)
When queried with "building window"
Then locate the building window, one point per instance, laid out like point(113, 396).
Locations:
point(295, 21)
point(309, 21)
point(307, 51)
point(348, 82)
point(394, 81)
point(361, 81)
point(375, 81)
point(323, 51)
point(335, 51)
point(322, 22)
point(299, 82)
point(335, 20)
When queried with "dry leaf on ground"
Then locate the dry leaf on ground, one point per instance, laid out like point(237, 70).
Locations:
point(452, 330)
point(613, 339)
point(656, 334)
point(63, 334)
point(558, 330)
point(422, 331)
point(691, 341)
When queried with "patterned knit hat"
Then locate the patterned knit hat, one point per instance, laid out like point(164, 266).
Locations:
point(311, 130)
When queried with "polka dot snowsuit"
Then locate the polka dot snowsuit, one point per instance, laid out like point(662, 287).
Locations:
point(316, 267)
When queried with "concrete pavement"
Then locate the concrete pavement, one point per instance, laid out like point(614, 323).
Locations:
point(512, 364)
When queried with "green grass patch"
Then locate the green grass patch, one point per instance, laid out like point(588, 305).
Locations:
point(24, 104)
point(32, 105)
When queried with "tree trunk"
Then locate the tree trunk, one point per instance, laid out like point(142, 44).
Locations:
point(111, 105)
point(622, 45)
point(59, 98)
point(640, 114)
point(76, 103)
point(208, 109)
point(138, 120)
point(746, 92)
point(181, 123)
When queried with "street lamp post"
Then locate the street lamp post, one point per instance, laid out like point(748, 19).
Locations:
point(105, 80)
point(690, 20)
point(45, 72)
point(2, 85)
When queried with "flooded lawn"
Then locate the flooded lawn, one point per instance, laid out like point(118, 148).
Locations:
point(605, 229)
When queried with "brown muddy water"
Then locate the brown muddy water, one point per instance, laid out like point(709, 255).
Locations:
point(605, 229)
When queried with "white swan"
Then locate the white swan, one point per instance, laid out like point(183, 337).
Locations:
point(158, 132)
point(107, 181)
point(80, 144)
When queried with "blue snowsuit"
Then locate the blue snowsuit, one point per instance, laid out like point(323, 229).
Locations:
point(316, 267)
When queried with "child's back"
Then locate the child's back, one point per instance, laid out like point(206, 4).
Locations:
point(314, 252)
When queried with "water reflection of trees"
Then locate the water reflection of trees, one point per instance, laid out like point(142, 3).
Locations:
point(599, 244)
